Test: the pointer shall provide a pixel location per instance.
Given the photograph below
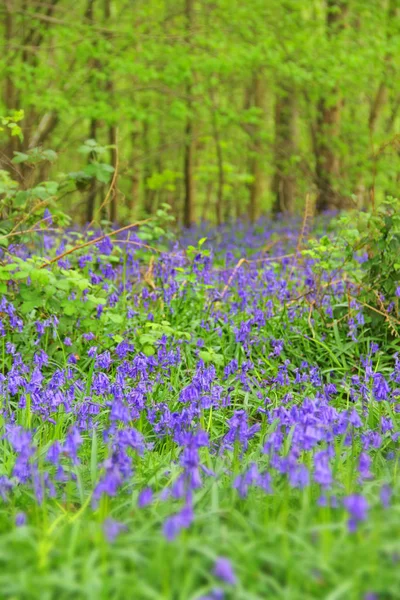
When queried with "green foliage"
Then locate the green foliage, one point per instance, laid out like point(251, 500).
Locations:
point(134, 72)
point(10, 124)
point(163, 181)
point(158, 228)
point(380, 238)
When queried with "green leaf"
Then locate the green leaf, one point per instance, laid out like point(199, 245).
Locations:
point(115, 318)
point(19, 157)
point(146, 338)
point(49, 155)
point(28, 306)
point(63, 284)
point(149, 350)
point(70, 309)
point(95, 300)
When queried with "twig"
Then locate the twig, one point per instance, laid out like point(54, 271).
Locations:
point(95, 241)
point(148, 276)
point(271, 258)
point(32, 210)
point(140, 245)
point(235, 270)
point(307, 216)
point(110, 189)
point(31, 230)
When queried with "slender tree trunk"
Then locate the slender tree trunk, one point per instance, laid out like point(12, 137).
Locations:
point(91, 198)
point(159, 194)
point(327, 161)
point(132, 200)
point(328, 127)
point(219, 204)
point(207, 201)
point(112, 128)
point(377, 105)
point(380, 98)
point(393, 114)
point(189, 150)
point(9, 91)
point(189, 175)
point(221, 182)
point(284, 179)
point(35, 135)
point(93, 65)
point(256, 150)
point(148, 199)
point(112, 140)
point(46, 125)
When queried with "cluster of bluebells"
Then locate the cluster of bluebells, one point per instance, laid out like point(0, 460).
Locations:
point(253, 418)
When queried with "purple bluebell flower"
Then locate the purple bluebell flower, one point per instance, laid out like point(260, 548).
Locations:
point(88, 336)
point(223, 570)
point(181, 520)
point(380, 387)
point(357, 507)
point(145, 497)
point(103, 361)
point(386, 495)
point(322, 470)
point(386, 424)
point(20, 519)
point(215, 594)
point(112, 529)
point(47, 216)
point(364, 466)
point(92, 351)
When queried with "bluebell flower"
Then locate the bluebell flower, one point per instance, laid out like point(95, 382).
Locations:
point(386, 493)
point(145, 497)
point(20, 519)
point(223, 570)
point(112, 529)
point(357, 506)
point(380, 387)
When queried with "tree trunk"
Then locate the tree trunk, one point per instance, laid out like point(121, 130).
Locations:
point(284, 179)
point(112, 140)
point(381, 94)
point(188, 175)
point(91, 199)
point(327, 161)
point(256, 150)
point(93, 64)
point(148, 199)
point(207, 201)
point(9, 89)
point(328, 127)
point(132, 200)
point(112, 128)
point(219, 203)
point(189, 150)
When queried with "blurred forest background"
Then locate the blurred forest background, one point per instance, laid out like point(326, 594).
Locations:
point(223, 109)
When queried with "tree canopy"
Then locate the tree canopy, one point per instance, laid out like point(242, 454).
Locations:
point(220, 108)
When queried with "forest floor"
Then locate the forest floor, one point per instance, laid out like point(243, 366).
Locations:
point(211, 419)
